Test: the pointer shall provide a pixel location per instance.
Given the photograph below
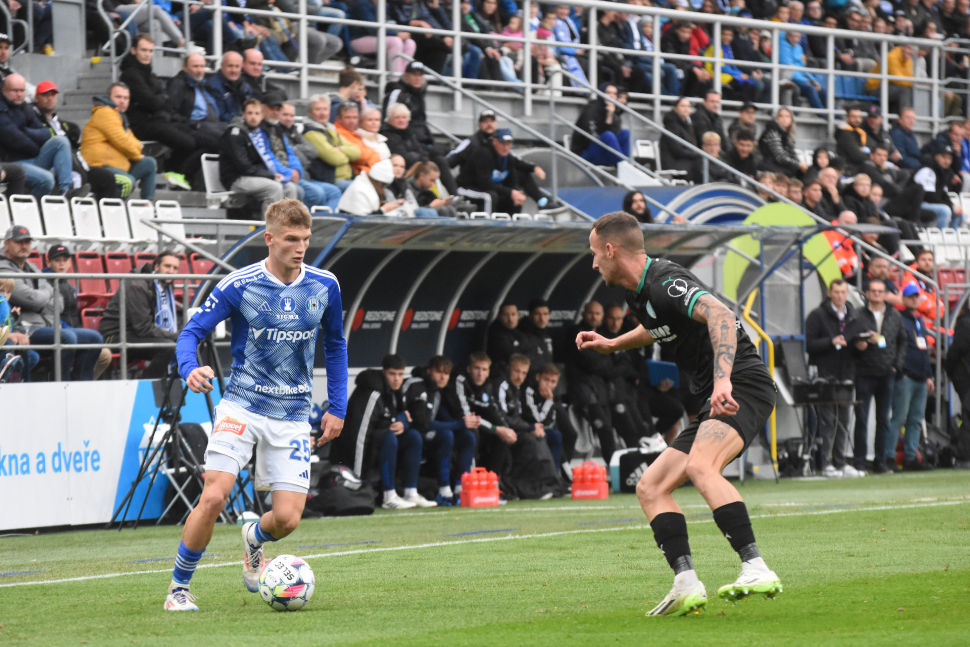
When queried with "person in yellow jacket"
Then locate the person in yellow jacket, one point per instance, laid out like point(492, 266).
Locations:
point(899, 62)
point(334, 153)
point(108, 142)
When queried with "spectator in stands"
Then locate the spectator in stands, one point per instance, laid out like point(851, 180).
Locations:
point(735, 83)
point(150, 315)
point(108, 143)
point(745, 121)
point(812, 200)
point(643, 40)
point(410, 90)
point(422, 179)
point(365, 195)
point(5, 68)
point(15, 177)
point(790, 52)
point(150, 114)
point(289, 164)
point(487, 124)
point(635, 204)
point(495, 181)
point(566, 30)
point(936, 178)
point(829, 329)
point(346, 124)
point(363, 40)
point(194, 106)
point(899, 62)
point(914, 381)
point(13, 334)
point(320, 45)
point(307, 152)
point(334, 153)
point(876, 135)
point(369, 133)
point(601, 120)
point(24, 139)
point(821, 158)
point(850, 141)
point(228, 88)
point(777, 145)
point(884, 173)
point(424, 397)
point(677, 40)
point(930, 305)
point(431, 50)
point(486, 55)
point(59, 262)
point(856, 198)
point(829, 179)
point(398, 189)
point(905, 141)
point(36, 299)
point(795, 191)
point(255, 77)
point(163, 23)
point(843, 249)
point(741, 156)
point(879, 269)
point(403, 139)
point(247, 164)
point(707, 117)
point(710, 144)
point(674, 154)
point(876, 369)
point(349, 84)
point(613, 67)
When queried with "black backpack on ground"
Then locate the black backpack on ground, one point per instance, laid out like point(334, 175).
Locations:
point(340, 493)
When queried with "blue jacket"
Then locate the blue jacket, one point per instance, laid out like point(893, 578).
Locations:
point(229, 97)
point(789, 54)
point(917, 363)
point(907, 145)
point(21, 132)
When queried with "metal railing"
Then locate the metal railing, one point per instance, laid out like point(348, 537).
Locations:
point(26, 25)
point(180, 281)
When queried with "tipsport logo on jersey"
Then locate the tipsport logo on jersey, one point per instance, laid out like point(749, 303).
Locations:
point(279, 335)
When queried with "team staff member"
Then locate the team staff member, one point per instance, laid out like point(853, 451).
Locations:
point(499, 181)
point(671, 303)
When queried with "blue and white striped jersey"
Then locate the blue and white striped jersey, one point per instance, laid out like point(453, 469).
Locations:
point(274, 338)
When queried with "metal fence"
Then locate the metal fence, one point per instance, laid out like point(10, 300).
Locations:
point(190, 284)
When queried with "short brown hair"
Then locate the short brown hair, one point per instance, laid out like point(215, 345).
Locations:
point(479, 357)
point(795, 184)
point(348, 76)
point(838, 282)
point(252, 102)
point(139, 37)
point(549, 369)
point(6, 285)
point(440, 363)
point(925, 251)
point(621, 229)
point(519, 359)
point(288, 213)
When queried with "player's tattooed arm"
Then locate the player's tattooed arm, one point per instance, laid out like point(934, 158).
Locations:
point(724, 339)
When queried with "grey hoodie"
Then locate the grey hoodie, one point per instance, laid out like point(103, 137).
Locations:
point(35, 297)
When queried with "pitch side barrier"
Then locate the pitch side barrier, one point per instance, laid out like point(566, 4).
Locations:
point(421, 287)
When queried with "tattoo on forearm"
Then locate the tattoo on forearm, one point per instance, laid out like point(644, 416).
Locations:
point(724, 338)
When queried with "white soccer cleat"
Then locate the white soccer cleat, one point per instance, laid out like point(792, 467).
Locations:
point(653, 444)
point(252, 560)
point(850, 472)
point(681, 601)
point(180, 600)
point(420, 501)
point(395, 502)
point(832, 472)
point(752, 580)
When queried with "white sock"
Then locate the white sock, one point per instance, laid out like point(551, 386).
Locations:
point(685, 579)
point(251, 536)
point(446, 492)
point(389, 494)
point(756, 564)
point(457, 489)
point(175, 585)
point(410, 492)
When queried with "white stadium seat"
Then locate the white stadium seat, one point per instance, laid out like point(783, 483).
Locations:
point(139, 210)
point(56, 213)
point(5, 222)
point(24, 212)
point(87, 221)
point(114, 219)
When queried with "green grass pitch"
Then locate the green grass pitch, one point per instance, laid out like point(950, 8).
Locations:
point(874, 561)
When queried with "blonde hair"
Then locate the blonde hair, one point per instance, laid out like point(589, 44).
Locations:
point(710, 137)
point(6, 286)
point(287, 213)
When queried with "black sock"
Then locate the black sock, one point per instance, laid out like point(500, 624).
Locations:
point(670, 532)
point(733, 521)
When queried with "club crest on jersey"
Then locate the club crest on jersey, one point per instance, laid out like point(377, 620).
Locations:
point(650, 310)
point(287, 304)
point(230, 425)
point(313, 304)
point(265, 307)
point(678, 287)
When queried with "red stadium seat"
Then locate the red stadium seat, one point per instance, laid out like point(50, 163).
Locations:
point(201, 265)
point(184, 268)
point(116, 263)
point(91, 292)
point(144, 257)
point(91, 318)
point(37, 259)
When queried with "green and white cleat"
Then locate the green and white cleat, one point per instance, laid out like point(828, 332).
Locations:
point(750, 582)
point(680, 602)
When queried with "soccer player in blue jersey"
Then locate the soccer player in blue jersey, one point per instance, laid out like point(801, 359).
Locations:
point(276, 307)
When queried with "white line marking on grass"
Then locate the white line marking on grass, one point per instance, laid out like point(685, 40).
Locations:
point(483, 540)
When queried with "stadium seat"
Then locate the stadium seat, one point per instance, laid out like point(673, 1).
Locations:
point(500, 215)
point(215, 193)
point(116, 263)
point(56, 213)
point(91, 292)
point(201, 265)
point(170, 210)
point(144, 257)
point(543, 216)
point(476, 215)
point(87, 221)
point(5, 222)
point(522, 216)
point(24, 212)
point(319, 209)
point(852, 88)
point(37, 259)
point(91, 318)
point(139, 210)
point(114, 218)
point(953, 250)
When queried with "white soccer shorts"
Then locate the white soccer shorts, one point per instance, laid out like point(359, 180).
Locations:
point(283, 448)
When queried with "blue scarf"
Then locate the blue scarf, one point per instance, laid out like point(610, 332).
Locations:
point(165, 308)
point(262, 148)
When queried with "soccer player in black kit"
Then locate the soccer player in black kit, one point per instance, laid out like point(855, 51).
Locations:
point(671, 304)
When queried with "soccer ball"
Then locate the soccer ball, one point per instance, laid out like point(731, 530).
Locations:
point(286, 583)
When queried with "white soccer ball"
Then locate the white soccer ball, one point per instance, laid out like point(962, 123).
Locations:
point(286, 583)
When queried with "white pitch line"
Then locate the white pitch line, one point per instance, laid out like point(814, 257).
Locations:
point(482, 540)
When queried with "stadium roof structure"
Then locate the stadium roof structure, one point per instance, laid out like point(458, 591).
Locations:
point(419, 287)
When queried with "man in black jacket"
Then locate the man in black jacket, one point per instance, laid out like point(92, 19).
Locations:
point(443, 433)
point(244, 168)
point(151, 315)
point(541, 412)
point(151, 113)
point(707, 117)
point(830, 330)
point(677, 41)
point(536, 329)
point(409, 90)
point(741, 157)
point(255, 78)
point(850, 142)
point(193, 105)
point(877, 135)
point(876, 369)
point(497, 181)
point(487, 124)
point(503, 340)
